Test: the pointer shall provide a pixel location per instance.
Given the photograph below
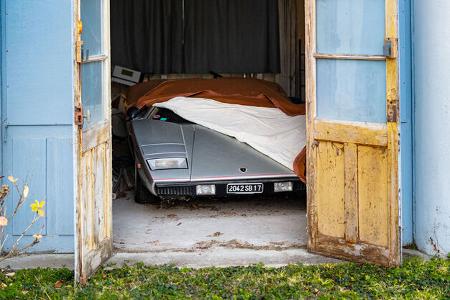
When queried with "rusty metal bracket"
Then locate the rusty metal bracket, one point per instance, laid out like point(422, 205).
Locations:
point(390, 48)
point(392, 110)
point(79, 118)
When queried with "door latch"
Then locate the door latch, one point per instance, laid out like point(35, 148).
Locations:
point(390, 48)
point(79, 119)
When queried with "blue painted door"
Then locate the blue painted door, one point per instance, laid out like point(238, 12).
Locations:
point(353, 140)
point(37, 116)
point(94, 206)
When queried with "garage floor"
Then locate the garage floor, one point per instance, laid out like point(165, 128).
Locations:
point(213, 232)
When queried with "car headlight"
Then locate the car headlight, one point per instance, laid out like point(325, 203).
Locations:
point(167, 163)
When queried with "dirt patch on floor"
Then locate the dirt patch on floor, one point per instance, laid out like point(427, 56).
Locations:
point(236, 244)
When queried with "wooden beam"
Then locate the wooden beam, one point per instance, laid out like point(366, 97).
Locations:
point(350, 57)
point(351, 192)
point(392, 107)
point(95, 58)
point(351, 132)
point(311, 148)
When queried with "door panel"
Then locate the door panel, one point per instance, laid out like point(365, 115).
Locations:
point(353, 142)
point(330, 190)
point(350, 26)
point(92, 92)
point(94, 206)
point(349, 90)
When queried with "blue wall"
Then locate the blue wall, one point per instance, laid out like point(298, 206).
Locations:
point(432, 125)
point(37, 111)
point(406, 156)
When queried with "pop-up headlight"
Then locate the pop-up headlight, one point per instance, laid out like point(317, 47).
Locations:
point(167, 163)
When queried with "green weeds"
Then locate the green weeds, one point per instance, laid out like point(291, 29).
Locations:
point(416, 279)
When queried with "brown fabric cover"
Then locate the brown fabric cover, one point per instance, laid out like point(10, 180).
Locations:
point(249, 92)
point(137, 91)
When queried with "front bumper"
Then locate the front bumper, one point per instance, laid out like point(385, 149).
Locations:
point(188, 190)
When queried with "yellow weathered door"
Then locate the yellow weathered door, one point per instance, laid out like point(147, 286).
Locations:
point(92, 114)
point(353, 143)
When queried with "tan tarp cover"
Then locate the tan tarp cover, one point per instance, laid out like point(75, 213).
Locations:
point(249, 92)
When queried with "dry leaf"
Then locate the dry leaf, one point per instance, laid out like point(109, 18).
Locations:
point(3, 221)
point(26, 191)
point(12, 179)
point(37, 237)
point(58, 284)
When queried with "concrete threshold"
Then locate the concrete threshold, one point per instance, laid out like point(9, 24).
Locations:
point(216, 257)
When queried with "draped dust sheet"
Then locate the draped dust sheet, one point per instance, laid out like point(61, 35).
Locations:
point(254, 111)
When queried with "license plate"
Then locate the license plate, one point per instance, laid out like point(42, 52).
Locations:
point(245, 188)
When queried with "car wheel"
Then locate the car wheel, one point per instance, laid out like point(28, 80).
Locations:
point(142, 195)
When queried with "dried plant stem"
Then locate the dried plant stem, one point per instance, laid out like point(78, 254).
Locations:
point(21, 199)
point(13, 250)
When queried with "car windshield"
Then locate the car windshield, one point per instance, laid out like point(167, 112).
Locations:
point(166, 115)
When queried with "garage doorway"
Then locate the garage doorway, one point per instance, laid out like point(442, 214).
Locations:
point(275, 223)
point(352, 163)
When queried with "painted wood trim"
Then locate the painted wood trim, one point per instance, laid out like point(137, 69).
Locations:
point(351, 132)
point(99, 134)
point(101, 255)
point(311, 144)
point(351, 197)
point(392, 96)
point(95, 58)
point(350, 57)
point(78, 257)
point(107, 78)
point(358, 252)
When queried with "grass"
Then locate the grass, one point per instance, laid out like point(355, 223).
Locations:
point(416, 279)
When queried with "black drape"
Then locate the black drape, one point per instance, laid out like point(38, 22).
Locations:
point(225, 36)
point(232, 36)
point(147, 35)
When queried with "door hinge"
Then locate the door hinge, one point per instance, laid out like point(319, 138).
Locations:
point(390, 48)
point(392, 110)
point(79, 118)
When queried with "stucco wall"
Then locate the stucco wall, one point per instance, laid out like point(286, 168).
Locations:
point(431, 40)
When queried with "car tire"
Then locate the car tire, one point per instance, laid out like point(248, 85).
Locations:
point(143, 195)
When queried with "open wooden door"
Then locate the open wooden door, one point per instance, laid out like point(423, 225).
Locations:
point(353, 143)
point(92, 113)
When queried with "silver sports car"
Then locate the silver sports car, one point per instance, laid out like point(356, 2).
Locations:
point(176, 159)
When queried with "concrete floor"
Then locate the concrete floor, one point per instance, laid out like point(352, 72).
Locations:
point(213, 232)
point(269, 224)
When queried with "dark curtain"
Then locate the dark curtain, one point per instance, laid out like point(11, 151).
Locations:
point(147, 35)
point(196, 36)
point(232, 36)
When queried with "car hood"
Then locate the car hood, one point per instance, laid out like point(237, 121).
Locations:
point(211, 156)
